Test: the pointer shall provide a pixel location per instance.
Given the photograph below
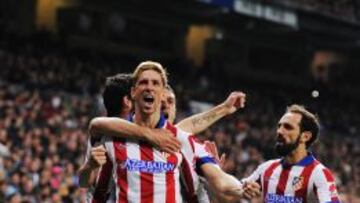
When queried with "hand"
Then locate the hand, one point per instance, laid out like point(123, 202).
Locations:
point(251, 190)
point(235, 101)
point(97, 157)
point(164, 140)
point(211, 146)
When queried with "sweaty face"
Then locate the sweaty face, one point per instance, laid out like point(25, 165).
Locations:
point(288, 134)
point(147, 91)
point(168, 105)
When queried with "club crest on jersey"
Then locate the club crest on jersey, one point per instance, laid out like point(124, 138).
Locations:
point(297, 182)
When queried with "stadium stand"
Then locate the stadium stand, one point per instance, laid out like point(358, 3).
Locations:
point(49, 90)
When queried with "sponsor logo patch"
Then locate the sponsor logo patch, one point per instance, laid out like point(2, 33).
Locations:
point(275, 198)
point(147, 166)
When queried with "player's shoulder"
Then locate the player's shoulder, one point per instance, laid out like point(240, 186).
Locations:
point(270, 162)
point(177, 131)
point(321, 170)
point(265, 165)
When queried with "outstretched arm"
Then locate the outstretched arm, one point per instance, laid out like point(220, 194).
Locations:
point(117, 127)
point(199, 122)
point(226, 187)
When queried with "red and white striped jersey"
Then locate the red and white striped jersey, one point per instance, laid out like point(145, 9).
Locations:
point(194, 154)
point(144, 174)
point(307, 181)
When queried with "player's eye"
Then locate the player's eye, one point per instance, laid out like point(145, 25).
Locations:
point(142, 82)
point(156, 82)
point(288, 126)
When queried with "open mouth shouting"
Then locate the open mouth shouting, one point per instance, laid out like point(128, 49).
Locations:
point(148, 100)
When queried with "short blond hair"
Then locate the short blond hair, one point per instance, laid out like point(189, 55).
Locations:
point(150, 65)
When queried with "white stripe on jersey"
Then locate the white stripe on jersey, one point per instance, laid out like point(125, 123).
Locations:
point(133, 177)
point(160, 178)
point(274, 180)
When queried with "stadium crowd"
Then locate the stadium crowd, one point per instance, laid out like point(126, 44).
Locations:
point(47, 99)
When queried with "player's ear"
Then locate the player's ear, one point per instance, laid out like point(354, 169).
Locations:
point(306, 136)
point(127, 101)
point(132, 92)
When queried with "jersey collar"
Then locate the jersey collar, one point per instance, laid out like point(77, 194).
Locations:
point(309, 159)
point(160, 123)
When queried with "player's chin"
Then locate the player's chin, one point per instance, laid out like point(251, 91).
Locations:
point(148, 110)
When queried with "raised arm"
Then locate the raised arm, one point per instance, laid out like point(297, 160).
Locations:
point(117, 127)
point(199, 122)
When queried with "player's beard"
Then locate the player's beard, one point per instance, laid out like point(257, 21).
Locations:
point(285, 149)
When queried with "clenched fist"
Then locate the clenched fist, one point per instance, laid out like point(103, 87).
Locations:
point(235, 101)
point(97, 156)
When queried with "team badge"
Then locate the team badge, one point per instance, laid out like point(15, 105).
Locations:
point(297, 183)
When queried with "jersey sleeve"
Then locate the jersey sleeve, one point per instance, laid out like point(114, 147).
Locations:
point(194, 149)
point(324, 186)
point(202, 154)
point(256, 175)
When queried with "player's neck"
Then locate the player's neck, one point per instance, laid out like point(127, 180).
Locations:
point(124, 114)
point(297, 155)
point(147, 120)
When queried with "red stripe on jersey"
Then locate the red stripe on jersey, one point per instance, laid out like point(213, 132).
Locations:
point(305, 175)
point(121, 155)
point(267, 175)
point(329, 177)
point(170, 180)
point(284, 176)
point(146, 179)
point(102, 184)
point(191, 141)
point(188, 181)
point(171, 128)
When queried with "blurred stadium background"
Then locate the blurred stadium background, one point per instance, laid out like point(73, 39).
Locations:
point(55, 54)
